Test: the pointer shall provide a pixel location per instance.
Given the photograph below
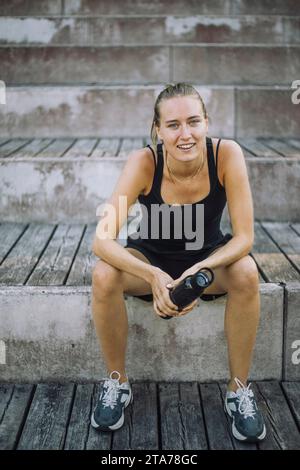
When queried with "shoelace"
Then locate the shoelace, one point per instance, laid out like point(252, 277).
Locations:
point(111, 391)
point(246, 405)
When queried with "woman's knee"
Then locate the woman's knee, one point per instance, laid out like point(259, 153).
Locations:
point(106, 278)
point(243, 275)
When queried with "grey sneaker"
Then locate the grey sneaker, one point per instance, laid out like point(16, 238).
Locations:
point(114, 398)
point(247, 423)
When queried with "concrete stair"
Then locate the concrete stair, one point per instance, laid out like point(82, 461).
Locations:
point(40, 175)
point(70, 67)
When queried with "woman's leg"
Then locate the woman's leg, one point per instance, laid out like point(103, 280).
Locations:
point(241, 282)
point(109, 311)
point(241, 317)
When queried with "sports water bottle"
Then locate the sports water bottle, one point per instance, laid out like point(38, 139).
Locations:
point(190, 288)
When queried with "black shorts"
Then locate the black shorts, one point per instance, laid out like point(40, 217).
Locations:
point(175, 268)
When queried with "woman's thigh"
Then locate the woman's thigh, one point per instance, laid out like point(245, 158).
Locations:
point(133, 285)
point(228, 276)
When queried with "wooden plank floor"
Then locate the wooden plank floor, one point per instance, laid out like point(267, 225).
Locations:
point(166, 416)
point(56, 255)
point(70, 148)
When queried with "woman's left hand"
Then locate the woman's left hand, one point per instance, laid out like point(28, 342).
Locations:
point(189, 272)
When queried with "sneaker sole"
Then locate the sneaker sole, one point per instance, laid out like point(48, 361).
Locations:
point(118, 424)
point(240, 436)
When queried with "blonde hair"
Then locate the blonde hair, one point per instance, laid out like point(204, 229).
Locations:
point(170, 91)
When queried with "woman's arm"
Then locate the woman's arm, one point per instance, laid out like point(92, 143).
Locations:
point(240, 206)
point(132, 181)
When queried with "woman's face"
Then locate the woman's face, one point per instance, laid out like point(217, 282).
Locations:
point(182, 122)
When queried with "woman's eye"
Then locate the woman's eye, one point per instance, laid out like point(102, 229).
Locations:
point(193, 122)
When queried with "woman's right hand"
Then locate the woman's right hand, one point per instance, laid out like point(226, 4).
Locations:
point(162, 303)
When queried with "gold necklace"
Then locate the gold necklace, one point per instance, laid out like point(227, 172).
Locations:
point(187, 177)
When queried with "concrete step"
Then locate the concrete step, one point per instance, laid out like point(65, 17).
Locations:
point(142, 65)
point(46, 325)
point(57, 180)
point(156, 7)
point(151, 30)
point(90, 111)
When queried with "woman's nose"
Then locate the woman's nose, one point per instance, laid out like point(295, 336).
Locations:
point(185, 132)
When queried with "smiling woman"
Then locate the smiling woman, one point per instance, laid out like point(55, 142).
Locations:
point(193, 171)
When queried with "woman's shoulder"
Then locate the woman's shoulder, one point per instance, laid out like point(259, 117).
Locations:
point(229, 151)
point(143, 158)
point(226, 145)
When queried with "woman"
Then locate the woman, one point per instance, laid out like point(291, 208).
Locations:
point(186, 170)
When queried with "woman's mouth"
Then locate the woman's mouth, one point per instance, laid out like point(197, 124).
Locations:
point(185, 147)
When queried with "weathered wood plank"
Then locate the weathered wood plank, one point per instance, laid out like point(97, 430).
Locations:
point(273, 263)
point(31, 149)
point(258, 148)
point(98, 440)
point(56, 149)
point(292, 393)
point(247, 153)
point(171, 427)
point(238, 445)
point(4, 140)
point(6, 392)
point(81, 148)
point(282, 422)
point(175, 412)
point(294, 143)
point(47, 419)
point(296, 227)
point(226, 228)
point(14, 413)
point(106, 148)
point(286, 238)
point(270, 441)
point(21, 260)
point(127, 145)
point(81, 271)
point(9, 234)
point(12, 146)
point(79, 424)
point(144, 431)
point(215, 420)
point(192, 417)
point(282, 147)
point(140, 430)
point(53, 267)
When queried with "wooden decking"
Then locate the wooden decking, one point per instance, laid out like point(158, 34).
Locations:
point(113, 147)
point(56, 255)
point(166, 416)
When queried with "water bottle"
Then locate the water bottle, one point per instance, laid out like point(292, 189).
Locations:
point(190, 288)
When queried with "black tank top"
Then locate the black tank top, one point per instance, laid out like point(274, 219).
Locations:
point(171, 245)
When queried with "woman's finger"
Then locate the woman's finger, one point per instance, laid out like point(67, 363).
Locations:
point(157, 310)
point(164, 307)
point(189, 307)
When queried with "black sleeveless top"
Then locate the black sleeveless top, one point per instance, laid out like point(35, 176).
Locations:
point(169, 228)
